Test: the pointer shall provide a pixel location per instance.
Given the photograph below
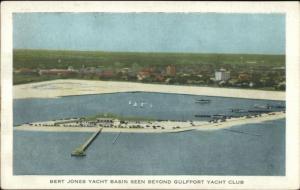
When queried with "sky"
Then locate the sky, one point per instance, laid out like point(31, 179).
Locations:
point(151, 32)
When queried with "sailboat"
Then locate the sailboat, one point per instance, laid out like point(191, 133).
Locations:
point(129, 102)
point(135, 104)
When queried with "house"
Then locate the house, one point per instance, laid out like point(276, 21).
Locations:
point(143, 75)
point(244, 77)
point(159, 77)
point(171, 70)
point(107, 74)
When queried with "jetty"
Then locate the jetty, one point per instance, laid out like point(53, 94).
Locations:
point(80, 151)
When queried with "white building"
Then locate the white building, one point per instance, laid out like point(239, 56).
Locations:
point(222, 75)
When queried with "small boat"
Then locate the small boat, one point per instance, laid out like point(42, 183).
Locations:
point(219, 116)
point(202, 115)
point(262, 106)
point(129, 102)
point(135, 104)
point(203, 101)
point(239, 111)
point(259, 111)
point(280, 106)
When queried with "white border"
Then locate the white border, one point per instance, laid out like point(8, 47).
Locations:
point(291, 9)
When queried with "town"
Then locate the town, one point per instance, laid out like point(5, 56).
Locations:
point(255, 72)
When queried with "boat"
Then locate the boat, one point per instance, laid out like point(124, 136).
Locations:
point(129, 102)
point(239, 111)
point(263, 106)
point(203, 101)
point(259, 111)
point(219, 116)
point(202, 115)
point(280, 106)
point(135, 104)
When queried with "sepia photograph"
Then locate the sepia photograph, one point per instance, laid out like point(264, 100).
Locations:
point(149, 93)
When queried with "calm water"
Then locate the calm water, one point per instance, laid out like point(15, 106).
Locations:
point(158, 105)
point(220, 152)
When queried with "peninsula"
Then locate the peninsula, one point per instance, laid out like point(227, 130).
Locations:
point(144, 126)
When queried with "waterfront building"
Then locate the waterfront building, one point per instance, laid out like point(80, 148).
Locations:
point(222, 75)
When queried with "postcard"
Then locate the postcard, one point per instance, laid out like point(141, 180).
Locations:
point(149, 95)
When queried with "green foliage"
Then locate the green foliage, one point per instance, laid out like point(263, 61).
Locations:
point(46, 59)
point(22, 79)
point(188, 66)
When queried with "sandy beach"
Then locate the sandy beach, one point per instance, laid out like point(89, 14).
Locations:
point(205, 126)
point(69, 87)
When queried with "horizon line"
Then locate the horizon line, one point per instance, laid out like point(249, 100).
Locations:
point(161, 52)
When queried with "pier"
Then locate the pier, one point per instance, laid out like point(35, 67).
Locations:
point(80, 151)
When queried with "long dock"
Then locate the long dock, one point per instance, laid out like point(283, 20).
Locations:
point(80, 151)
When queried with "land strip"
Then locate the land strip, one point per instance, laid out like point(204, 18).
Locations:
point(165, 126)
point(70, 87)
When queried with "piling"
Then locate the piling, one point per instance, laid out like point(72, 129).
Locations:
point(116, 137)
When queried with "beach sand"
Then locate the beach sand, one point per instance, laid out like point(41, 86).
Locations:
point(69, 87)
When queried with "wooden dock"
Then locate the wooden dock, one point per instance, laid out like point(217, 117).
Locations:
point(80, 151)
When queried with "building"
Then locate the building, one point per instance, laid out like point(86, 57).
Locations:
point(25, 71)
point(107, 74)
point(171, 70)
point(159, 77)
point(244, 77)
point(58, 72)
point(222, 75)
point(143, 75)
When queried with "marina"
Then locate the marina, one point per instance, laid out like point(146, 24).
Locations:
point(181, 153)
point(144, 126)
point(133, 96)
point(125, 137)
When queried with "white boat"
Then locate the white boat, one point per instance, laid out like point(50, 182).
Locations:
point(135, 104)
point(129, 102)
point(262, 106)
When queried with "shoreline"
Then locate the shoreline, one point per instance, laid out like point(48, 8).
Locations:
point(205, 126)
point(72, 87)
